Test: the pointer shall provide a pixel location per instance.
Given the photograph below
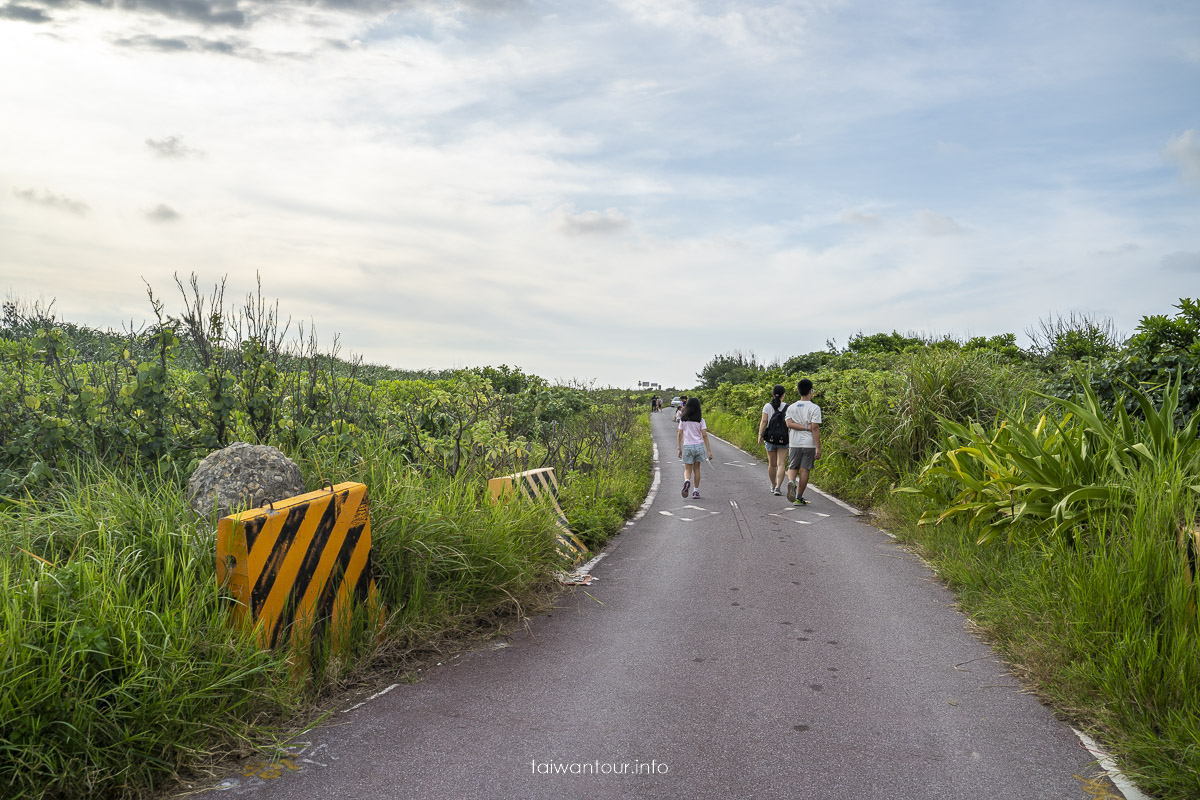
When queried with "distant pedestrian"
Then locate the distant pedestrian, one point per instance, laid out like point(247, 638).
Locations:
point(773, 433)
point(804, 421)
point(693, 443)
point(683, 398)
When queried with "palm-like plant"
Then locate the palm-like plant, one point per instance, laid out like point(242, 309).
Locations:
point(1051, 472)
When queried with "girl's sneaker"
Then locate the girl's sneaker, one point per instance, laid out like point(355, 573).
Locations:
point(696, 495)
point(686, 485)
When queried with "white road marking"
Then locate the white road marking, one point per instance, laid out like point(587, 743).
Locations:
point(846, 506)
point(369, 699)
point(1107, 763)
point(652, 493)
point(583, 570)
point(666, 513)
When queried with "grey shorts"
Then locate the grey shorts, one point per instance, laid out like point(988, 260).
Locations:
point(802, 457)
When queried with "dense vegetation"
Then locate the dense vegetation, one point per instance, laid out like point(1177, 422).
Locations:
point(1056, 489)
point(118, 668)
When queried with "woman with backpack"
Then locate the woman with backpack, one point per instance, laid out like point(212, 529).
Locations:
point(693, 442)
point(773, 433)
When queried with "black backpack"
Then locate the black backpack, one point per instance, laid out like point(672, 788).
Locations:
point(776, 431)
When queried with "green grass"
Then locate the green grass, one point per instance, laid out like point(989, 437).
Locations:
point(598, 502)
point(119, 671)
point(1107, 630)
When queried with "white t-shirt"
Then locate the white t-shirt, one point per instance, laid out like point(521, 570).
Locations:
point(803, 412)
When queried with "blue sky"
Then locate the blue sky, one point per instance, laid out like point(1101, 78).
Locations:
point(615, 190)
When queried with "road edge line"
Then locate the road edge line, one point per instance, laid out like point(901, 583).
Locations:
point(1109, 765)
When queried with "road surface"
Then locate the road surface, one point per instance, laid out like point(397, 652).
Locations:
point(732, 647)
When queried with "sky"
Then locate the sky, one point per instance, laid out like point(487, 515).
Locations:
point(611, 190)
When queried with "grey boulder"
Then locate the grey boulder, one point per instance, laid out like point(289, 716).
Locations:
point(242, 476)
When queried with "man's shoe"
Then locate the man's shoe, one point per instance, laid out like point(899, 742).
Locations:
point(791, 494)
point(799, 501)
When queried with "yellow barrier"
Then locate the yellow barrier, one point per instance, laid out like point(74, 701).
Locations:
point(299, 564)
point(541, 485)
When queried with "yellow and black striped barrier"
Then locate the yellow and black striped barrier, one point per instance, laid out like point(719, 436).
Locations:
point(540, 485)
point(300, 565)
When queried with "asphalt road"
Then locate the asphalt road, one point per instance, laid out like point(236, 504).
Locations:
point(733, 647)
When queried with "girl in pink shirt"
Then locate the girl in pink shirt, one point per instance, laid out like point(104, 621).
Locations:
point(693, 443)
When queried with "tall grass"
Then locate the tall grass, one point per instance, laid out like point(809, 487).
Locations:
point(597, 502)
point(1107, 629)
point(119, 670)
point(117, 665)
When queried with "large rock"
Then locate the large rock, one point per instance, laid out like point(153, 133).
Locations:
point(242, 476)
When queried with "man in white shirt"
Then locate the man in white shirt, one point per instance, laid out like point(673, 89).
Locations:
point(804, 448)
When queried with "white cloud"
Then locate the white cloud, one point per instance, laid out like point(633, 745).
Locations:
point(1182, 262)
point(570, 167)
point(937, 224)
point(1184, 151)
point(611, 220)
point(860, 218)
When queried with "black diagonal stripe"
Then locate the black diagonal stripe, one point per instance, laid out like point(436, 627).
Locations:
point(527, 488)
point(362, 588)
point(304, 574)
point(539, 480)
point(251, 528)
point(283, 543)
point(333, 584)
point(549, 484)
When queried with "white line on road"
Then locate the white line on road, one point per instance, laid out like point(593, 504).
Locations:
point(828, 496)
point(652, 493)
point(1109, 765)
point(369, 699)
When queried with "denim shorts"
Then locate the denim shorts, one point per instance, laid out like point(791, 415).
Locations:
point(770, 447)
point(693, 453)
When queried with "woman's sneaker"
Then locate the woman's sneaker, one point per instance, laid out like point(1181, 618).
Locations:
point(775, 491)
point(791, 491)
point(686, 485)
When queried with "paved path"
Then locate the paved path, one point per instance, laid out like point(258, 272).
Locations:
point(733, 647)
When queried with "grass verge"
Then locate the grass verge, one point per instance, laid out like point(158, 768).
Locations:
point(119, 672)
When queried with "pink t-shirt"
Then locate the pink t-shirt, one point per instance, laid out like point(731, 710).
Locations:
point(691, 432)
